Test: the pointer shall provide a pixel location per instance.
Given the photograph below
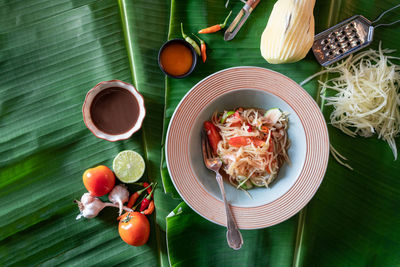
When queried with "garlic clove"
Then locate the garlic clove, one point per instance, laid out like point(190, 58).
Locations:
point(119, 195)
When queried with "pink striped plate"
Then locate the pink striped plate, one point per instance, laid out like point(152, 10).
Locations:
point(248, 87)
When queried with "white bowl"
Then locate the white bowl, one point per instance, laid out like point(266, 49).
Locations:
point(248, 87)
point(288, 173)
point(89, 99)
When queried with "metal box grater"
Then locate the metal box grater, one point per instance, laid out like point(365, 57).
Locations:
point(346, 38)
point(342, 39)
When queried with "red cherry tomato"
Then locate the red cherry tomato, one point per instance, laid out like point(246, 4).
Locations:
point(99, 180)
point(134, 228)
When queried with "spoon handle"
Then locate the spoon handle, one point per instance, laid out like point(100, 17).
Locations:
point(233, 235)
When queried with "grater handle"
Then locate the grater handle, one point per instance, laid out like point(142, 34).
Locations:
point(382, 14)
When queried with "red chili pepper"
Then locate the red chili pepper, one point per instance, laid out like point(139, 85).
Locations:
point(139, 203)
point(150, 209)
point(146, 201)
point(213, 135)
point(250, 129)
point(136, 195)
point(217, 27)
point(203, 48)
point(145, 184)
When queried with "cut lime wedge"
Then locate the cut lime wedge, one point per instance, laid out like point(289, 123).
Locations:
point(128, 166)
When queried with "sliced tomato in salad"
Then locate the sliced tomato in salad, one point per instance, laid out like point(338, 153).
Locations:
point(244, 141)
point(239, 141)
point(236, 124)
point(213, 135)
point(257, 142)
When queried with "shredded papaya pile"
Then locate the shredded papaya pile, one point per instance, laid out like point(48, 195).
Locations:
point(366, 95)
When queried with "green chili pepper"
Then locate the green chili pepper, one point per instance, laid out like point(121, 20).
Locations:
point(191, 41)
point(226, 115)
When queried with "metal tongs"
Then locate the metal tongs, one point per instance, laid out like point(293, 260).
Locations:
point(240, 19)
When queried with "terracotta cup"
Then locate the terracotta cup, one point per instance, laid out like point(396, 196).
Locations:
point(87, 115)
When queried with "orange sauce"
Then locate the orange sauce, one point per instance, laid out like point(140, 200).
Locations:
point(176, 59)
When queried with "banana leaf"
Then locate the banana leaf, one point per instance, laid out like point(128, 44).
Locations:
point(143, 39)
point(52, 53)
point(354, 216)
point(353, 219)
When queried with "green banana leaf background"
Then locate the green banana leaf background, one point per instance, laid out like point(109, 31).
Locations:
point(53, 52)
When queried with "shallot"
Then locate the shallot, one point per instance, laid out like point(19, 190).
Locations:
point(90, 206)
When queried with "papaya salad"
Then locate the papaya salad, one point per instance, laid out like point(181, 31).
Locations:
point(251, 143)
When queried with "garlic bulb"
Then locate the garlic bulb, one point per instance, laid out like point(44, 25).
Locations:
point(90, 206)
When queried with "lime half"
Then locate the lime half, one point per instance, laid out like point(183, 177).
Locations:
point(128, 166)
